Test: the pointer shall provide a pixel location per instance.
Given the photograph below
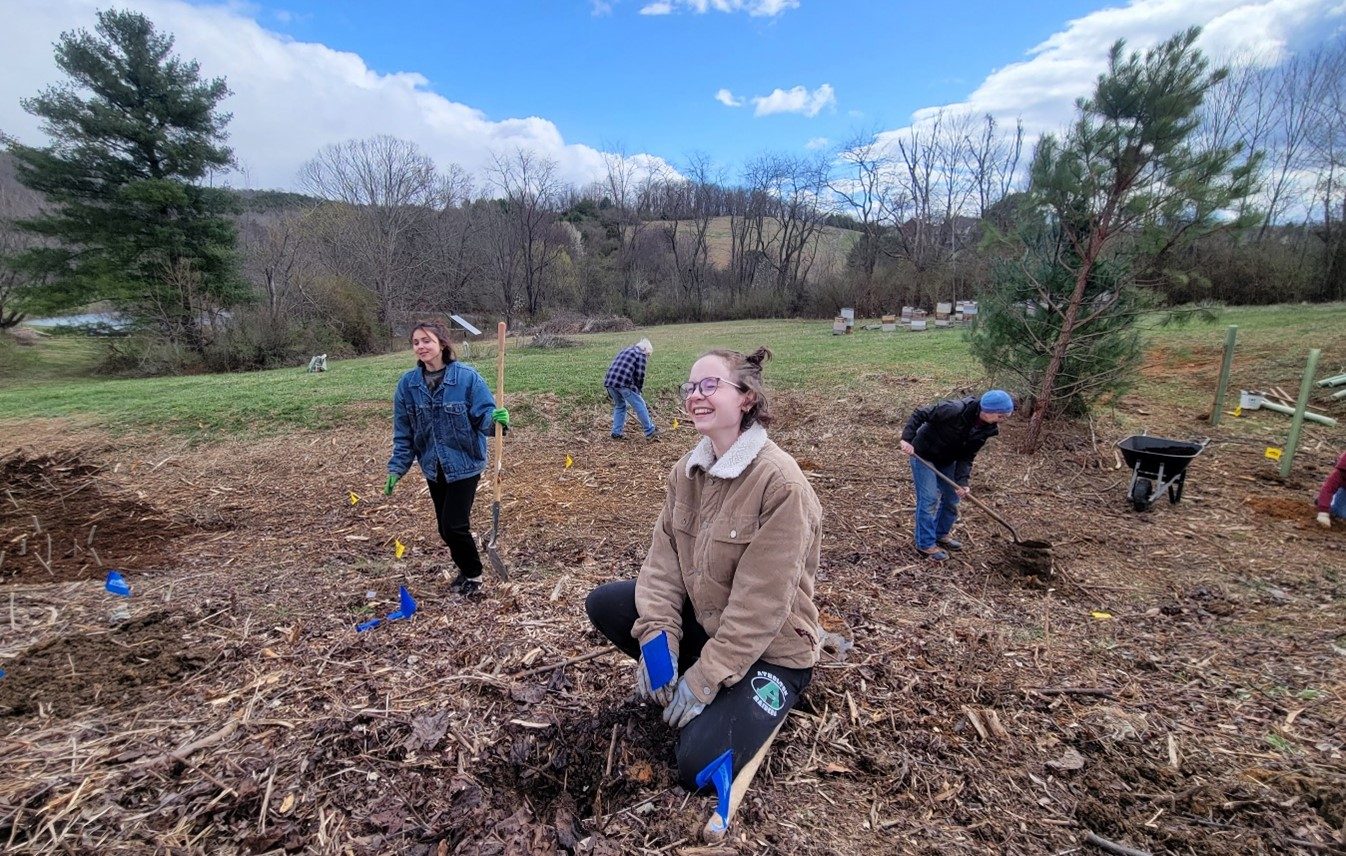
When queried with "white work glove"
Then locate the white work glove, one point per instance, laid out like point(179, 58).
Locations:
point(1324, 520)
point(643, 691)
point(684, 707)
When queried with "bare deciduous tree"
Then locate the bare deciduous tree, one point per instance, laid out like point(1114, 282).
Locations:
point(388, 190)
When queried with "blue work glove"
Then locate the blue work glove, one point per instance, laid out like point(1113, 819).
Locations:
point(684, 707)
point(501, 416)
point(390, 484)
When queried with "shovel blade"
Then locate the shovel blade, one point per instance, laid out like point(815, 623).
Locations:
point(493, 545)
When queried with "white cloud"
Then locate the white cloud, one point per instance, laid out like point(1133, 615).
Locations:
point(817, 143)
point(755, 8)
point(795, 100)
point(599, 8)
point(725, 97)
point(289, 98)
point(1042, 89)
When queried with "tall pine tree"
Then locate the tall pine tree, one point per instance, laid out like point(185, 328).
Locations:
point(134, 131)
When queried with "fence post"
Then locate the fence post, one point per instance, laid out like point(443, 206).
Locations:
point(1297, 422)
point(1230, 335)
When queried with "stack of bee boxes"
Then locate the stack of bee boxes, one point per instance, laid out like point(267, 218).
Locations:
point(889, 323)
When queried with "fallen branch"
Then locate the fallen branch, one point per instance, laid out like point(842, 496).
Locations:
point(186, 750)
point(1087, 691)
point(592, 655)
point(1113, 846)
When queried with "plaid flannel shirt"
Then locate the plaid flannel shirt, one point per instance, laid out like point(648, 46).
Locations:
point(627, 370)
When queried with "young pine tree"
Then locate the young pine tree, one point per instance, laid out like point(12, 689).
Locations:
point(1123, 188)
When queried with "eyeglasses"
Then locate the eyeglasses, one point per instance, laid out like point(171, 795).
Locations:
point(707, 385)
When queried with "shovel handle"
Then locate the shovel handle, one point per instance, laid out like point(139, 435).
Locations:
point(975, 501)
point(499, 402)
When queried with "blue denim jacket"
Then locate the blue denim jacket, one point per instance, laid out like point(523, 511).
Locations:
point(447, 429)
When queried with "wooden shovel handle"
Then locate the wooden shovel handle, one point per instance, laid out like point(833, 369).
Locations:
point(499, 402)
point(983, 506)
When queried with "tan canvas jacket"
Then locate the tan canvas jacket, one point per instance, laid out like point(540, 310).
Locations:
point(739, 537)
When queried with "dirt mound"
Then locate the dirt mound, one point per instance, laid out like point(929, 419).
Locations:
point(60, 520)
point(64, 675)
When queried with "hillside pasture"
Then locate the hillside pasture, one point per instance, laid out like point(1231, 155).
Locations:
point(1176, 686)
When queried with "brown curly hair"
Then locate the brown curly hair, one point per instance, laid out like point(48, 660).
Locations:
point(747, 372)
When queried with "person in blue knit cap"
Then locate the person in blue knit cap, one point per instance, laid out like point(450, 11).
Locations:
point(948, 435)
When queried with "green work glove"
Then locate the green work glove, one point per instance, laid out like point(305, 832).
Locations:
point(390, 484)
point(501, 416)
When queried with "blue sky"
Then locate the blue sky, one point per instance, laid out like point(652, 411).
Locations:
point(571, 79)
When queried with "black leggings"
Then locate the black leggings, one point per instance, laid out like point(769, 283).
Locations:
point(742, 717)
point(453, 513)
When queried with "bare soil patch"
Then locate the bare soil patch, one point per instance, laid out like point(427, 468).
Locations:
point(60, 519)
point(1177, 686)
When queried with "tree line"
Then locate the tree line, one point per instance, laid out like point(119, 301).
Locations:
point(1228, 186)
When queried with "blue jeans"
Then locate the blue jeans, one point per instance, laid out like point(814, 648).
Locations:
point(936, 504)
point(622, 399)
point(1339, 504)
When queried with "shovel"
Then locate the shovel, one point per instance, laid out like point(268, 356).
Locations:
point(493, 542)
point(1036, 555)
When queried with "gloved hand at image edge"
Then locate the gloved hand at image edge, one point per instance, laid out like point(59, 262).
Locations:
point(684, 707)
point(1325, 520)
point(500, 416)
point(390, 484)
point(661, 696)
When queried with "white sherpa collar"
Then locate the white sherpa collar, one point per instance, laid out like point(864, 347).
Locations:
point(735, 461)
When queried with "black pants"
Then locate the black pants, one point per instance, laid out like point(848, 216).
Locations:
point(741, 717)
point(453, 513)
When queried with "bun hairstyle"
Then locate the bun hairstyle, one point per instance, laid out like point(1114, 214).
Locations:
point(440, 333)
point(747, 373)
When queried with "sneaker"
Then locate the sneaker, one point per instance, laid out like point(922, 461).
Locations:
point(465, 585)
point(618, 437)
point(952, 544)
point(934, 554)
point(652, 437)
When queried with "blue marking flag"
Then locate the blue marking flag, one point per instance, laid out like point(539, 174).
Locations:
point(116, 583)
point(719, 772)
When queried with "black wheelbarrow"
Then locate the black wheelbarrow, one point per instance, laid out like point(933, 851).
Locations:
point(1157, 465)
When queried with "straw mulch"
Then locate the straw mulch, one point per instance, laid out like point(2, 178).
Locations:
point(1176, 687)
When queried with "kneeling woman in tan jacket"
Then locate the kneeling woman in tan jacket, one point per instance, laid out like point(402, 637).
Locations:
point(729, 576)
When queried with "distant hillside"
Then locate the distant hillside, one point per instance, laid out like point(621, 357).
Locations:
point(834, 244)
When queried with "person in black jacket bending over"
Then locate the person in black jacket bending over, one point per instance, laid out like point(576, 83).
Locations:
point(948, 435)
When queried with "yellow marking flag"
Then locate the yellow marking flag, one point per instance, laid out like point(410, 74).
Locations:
point(398, 549)
point(1238, 410)
point(570, 462)
point(1101, 615)
point(355, 497)
point(1273, 453)
point(675, 424)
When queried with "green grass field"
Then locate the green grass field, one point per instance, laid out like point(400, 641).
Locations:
point(53, 379)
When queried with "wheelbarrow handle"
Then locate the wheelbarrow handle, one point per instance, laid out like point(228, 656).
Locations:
point(983, 506)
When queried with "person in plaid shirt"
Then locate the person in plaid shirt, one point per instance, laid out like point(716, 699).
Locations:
point(624, 382)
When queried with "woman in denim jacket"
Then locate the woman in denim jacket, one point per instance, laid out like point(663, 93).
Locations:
point(442, 414)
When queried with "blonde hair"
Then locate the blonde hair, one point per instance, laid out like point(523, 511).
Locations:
point(747, 373)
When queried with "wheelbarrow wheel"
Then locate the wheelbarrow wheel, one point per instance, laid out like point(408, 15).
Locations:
point(1140, 494)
